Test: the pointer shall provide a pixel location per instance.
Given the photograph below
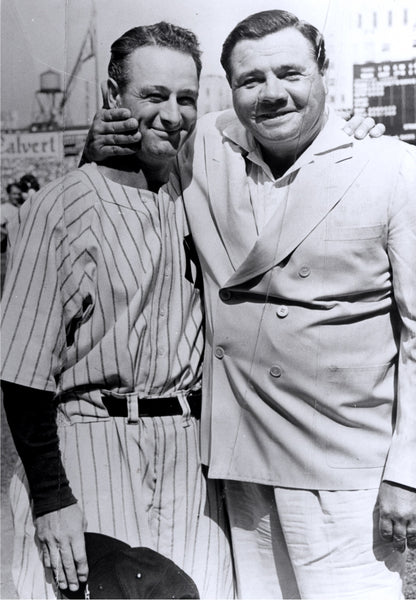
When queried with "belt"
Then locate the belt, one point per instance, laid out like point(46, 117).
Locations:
point(154, 407)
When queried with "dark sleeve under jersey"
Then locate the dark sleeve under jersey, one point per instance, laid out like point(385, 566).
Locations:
point(31, 415)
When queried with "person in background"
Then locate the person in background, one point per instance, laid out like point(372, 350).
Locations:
point(29, 185)
point(14, 194)
point(9, 210)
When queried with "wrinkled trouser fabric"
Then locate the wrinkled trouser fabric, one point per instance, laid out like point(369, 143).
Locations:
point(290, 543)
point(143, 484)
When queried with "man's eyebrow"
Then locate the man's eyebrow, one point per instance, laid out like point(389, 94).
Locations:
point(291, 67)
point(149, 89)
point(189, 92)
point(280, 69)
point(248, 73)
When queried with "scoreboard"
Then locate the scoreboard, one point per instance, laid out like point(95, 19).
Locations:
point(387, 92)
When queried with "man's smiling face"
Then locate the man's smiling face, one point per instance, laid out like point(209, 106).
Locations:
point(278, 91)
point(161, 94)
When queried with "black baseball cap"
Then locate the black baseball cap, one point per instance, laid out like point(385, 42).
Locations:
point(116, 570)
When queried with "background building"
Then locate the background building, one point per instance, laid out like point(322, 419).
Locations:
point(214, 94)
point(370, 31)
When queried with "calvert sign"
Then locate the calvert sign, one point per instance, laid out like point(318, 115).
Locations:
point(39, 144)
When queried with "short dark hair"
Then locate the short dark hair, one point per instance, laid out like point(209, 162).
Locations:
point(164, 35)
point(263, 23)
point(29, 182)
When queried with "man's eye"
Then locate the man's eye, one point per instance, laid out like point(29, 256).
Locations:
point(187, 101)
point(250, 83)
point(292, 75)
point(155, 97)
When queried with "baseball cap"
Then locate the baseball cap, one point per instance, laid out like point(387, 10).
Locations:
point(116, 570)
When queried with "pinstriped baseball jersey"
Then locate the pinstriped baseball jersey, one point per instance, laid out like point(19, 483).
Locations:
point(96, 295)
point(97, 298)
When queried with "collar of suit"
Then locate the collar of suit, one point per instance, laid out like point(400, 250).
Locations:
point(316, 183)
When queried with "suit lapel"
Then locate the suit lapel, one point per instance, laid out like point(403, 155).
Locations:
point(316, 189)
point(230, 202)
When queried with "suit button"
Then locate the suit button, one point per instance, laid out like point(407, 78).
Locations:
point(304, 271)
point(219, 352)
point(275, 371)
point(282, 311)
point(225, 295)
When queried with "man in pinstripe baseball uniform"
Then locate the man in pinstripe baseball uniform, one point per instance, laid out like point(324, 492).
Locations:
point(102, 347)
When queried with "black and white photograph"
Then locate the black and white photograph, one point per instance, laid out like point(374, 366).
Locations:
point(208, 299)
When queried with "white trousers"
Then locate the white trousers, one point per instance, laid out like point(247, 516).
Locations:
point(143, 484)
point(290, 543)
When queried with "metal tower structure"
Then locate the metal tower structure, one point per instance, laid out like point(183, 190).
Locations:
point(88, 51)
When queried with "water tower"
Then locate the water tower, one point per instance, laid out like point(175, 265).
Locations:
point(53, 100)
point(48, 95)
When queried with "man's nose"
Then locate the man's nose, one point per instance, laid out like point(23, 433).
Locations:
point(273, 89)
point(170, 113)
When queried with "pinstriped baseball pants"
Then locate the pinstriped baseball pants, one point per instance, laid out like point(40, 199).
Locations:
point(143, 484)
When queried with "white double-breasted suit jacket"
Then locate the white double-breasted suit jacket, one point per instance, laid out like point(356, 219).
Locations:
point(310, 377)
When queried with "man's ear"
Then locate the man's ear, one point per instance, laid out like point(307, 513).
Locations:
point(111, 94)
point(324, 73)
point(104, 92)
point(325, 84)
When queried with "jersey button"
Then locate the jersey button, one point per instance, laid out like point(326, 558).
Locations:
point(219, 352)
point(282, 311)
point(304, 271)
point(225, 295)
point(275, 371)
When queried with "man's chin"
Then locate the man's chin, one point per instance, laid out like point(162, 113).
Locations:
point(164, 151)
point(280, 137)
point(168, 148)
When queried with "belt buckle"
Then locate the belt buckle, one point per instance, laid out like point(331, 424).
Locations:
point(132, 403)
point(133, 412)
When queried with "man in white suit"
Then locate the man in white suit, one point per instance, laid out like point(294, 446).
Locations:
point(307, 241)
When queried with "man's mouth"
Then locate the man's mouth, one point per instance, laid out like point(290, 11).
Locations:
point(275, 115)
point(164, 133)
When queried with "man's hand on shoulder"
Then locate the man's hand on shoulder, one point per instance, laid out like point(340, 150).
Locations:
point(113, 133)
point(360, 127)
point(397, 505)
point(61, 535)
